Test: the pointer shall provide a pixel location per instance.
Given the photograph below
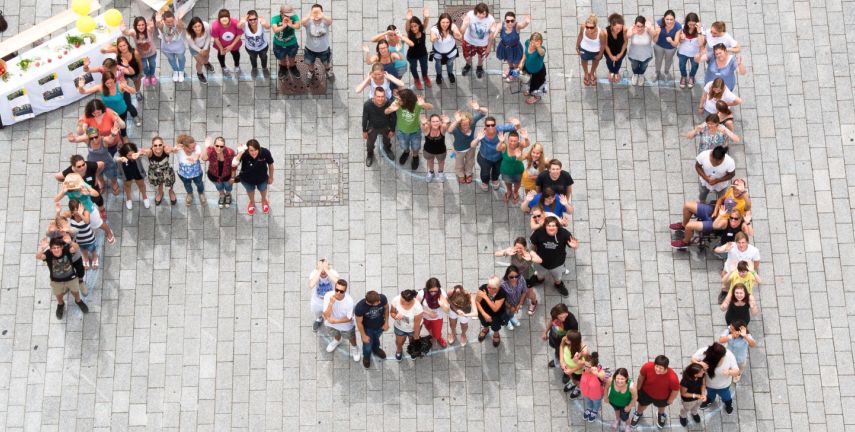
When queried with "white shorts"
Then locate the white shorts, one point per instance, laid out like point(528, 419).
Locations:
point(460, 319)
point(95, 221)
point(316, 306)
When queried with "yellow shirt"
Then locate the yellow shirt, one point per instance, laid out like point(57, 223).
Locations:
point(749, 280)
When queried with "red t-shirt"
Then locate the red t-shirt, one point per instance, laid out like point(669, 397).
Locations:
point(658, 386)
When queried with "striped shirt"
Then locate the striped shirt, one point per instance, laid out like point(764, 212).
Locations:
point(85, 235)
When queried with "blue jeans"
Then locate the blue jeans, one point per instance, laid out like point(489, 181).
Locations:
point(414, 66)
point(223, 187)
point(149, 65)
point(188, 184)
point(176, 61)
point(449, 67)
point(724, 393)
point(409, 141)
point(614, 66)
point(489, 169)
point(593, 405)
point(681, 62)
point(639, 67)
point(373, 341)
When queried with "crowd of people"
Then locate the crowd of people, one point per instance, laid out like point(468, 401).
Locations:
point(504, 152)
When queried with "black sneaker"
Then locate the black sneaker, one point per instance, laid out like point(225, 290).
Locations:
point(635, 419)
point(202, 78)
point(389, 153)
point(366, 362)
point(466, 70)
point(439, 79)
point(414, 164)
point(83, 307)
point(369, 160)
point(399, 356)
point(294, 71)
point(696, 418)
point(562, 289)
point(316, 325)
point(451, 78)
point(705, 404)
point(60, 310)
point(403, 157)
point(479, 72)
point(209, 67)
point(228, 200)
point(380, 353)
point(282, 73)
point(684, 421)
point(221, 203)
point(728, 409)
point(660, 420)
point(266, 73)
point(551, 364)
point(575, 393)
point(568, 386)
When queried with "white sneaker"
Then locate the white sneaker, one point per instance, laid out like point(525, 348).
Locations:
point(429, 176)
point(641, 80)
point(174, 76)
point(510, 325)
point(146, 203)
point(333, 345)
point(634, 79)
point(129, 204)
point(354, 351)
point(181, 76)
point(236, 70)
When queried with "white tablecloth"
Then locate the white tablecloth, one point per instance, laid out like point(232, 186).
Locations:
point(50, 85)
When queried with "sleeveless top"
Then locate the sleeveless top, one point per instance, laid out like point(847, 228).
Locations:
point(254, 41)
point(689, 44)
point(590, 45)
point(386, 86)
point(640, 47)
point(85, 236)
point(510, 40)
point(419, 49)
point(735, 312)
point(615, 43)
point(400, 48)
point(123, 63)
point(664, 34)
point(324, 286)
point(115, 102)
point(619, 399)
point(511, 165)
point(101, 154)
point(435, 144)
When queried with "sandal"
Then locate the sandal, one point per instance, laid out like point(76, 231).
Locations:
point(461, 180)
point(451, 339)
point(463, 340)
point(483, 334)
point(531, 100)
point(469, 179)
point(516, 199)
point(116, 190)
point(85, 265)
point(496, 339)
point(531, 308)
point(95, 263)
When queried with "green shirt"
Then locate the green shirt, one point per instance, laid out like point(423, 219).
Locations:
point(511, 165)
point(533, 60)
point(287, 36)
point(408, 122)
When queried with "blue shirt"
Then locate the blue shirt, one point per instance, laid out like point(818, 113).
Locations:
point(662, 41)
point(488, 145)
point(462, 141)
point(557, 208)
point(727, 73)
point(738, 346)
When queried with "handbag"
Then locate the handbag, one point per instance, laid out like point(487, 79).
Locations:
point(3, 24)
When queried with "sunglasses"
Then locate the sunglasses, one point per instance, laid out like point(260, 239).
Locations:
point(735, 219)
point(590, 27)
point(536, 215)
point(340, 291)
point(514, 277)
point(157, 145)
point(490, 125)
point(510, 21)
point(219, 146)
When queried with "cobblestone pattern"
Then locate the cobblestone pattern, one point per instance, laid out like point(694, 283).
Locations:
point(200, 320)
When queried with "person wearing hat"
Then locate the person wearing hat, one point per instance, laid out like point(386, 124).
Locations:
point(285, 26)
point(59, 257)
point(74, 187)
point(89, 171)
point(715, 218)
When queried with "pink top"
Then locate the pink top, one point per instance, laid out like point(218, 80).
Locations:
point(591, 386)
point(227, 35)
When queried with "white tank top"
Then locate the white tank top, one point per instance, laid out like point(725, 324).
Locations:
point(588, 44)
point(386, 86)
point(254, 41)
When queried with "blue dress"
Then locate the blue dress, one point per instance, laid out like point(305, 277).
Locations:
point(509, 48)
point(727, 73)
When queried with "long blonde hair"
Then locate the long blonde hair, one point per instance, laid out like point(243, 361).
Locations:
point(541, 162)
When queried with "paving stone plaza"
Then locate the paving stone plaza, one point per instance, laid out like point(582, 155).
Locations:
point(200, 317)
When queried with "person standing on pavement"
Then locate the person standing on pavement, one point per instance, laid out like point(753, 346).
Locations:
point(406, 313)
point(285, 45)
point(89, 172)
point(376, 123)
point(478, 33)
point(693, 392)
point(338, 318)
point(321, 281)
point(489, 158)
point(59, 257)
point(622, 396)
point(657, 385)
point(408, 125)
point(550, 242)
point(256, 173)
point(372, 319)
point(722, 370)
point(317, 44)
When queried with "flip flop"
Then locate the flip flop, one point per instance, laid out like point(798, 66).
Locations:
point(111, 240)
point(95, 263)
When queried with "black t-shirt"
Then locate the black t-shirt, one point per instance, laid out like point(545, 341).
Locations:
point(570, 323)
point(62, 267)
point(558, 186)
point(254, 170)
point(372, 316)
point(89, 176)
point(692, 386)
point(500, 295)
point(553, 249)
point(729, 233)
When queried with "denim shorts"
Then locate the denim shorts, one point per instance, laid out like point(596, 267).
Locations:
point(309, 56)
point(399, 332)
point(513, 179)
point(280, 52)
point(704, 215)
point(409, 141)
point(588, 55)
point(251, 187)
point(91, 247)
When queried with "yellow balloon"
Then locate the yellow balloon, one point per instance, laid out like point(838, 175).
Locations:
point(85, 24)
point(80, 7)
point(113, 17)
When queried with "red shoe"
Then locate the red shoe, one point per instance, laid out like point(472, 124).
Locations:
point(418, 84)
point(265, 208)
point(250, 209)
point(443, 343)
point(679, 244)
point(427, 81)
point(677, 226)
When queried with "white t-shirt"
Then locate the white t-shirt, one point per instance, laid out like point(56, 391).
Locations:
point(734, 256)
point(440, 314)
point(324, 285)
point(709, 105)
point(478, 31)
point(341, 309)
point(405, 324)
point(443, 45)
point(720, 380)
point(716, 172)
point(725, 39)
